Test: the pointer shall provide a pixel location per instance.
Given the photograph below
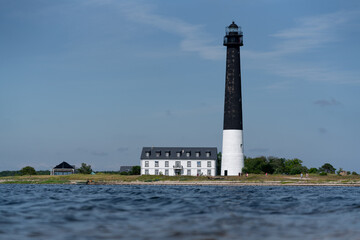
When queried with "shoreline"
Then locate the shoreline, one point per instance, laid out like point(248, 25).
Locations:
point(191, 183)
point(226, 183)
point(157, 180)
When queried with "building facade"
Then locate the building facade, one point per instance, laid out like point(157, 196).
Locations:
point(63, 169)
point(173, 161)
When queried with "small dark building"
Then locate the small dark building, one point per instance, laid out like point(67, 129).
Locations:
point(126, 168)
point(63, 169)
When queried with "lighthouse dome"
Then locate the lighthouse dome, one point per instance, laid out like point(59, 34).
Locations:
point(233, 25)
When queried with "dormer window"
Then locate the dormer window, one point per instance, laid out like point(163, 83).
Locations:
point(147, 154)
point(158, 154)
point(188, 154)
point(208, 154)
point(178, 154)
point(167, 154)
point(197, 154)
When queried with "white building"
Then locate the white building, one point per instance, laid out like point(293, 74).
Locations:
point(172, 161)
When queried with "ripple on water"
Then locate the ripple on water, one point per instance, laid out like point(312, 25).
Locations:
point(178, 212)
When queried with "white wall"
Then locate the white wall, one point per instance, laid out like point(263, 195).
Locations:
point(194, 168)
point(232, 152)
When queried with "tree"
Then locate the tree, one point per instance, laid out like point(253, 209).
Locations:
point(135, 170)
point(257, 165)
point(328, 168)
point(10, 173)
point(43, 172)
point(267, 168)
point(313, 170)
point(85, 169)
point(339, 171)
point(277, 164)
point(297, 169)
point(293, 166)
point(28, 171)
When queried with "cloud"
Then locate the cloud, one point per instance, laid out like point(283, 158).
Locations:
point(326, 103)
point(309, 34)
point(192, 37)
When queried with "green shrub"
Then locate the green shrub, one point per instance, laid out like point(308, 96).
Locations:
point(28, 171)
point(328, 168)
point(85, 169)
point(298, 169)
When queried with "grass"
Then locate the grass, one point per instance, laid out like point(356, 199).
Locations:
point(116, 178)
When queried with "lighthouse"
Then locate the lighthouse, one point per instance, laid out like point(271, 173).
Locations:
point(232, 146)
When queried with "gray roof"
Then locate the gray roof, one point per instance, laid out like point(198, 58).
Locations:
point(125, 168)
point(161, 153)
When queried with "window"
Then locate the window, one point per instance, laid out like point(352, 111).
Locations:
point(156, 172)
point(189, 172)
point(166, 163)
point(188, 164)
point(147, 154)
point(209, 172)
point(208, 154)
point(197, 154)
point(62, 173)
point(199, 172)
point(146, 171)
point(167, 172)
point(146, 163)
point(156, 163)
point(198, 163)
point(158, 154)
point(209, 163)
point(177, 164)
point(188, 154)
point(167, 154)
point(178, 154)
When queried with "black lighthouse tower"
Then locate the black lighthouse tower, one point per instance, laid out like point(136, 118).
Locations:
point(232, 150)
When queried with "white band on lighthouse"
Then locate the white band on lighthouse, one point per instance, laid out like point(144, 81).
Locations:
point(232, 160)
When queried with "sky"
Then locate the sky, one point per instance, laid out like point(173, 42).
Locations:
point(94, 81)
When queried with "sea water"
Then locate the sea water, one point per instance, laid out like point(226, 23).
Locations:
point(178, 212)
